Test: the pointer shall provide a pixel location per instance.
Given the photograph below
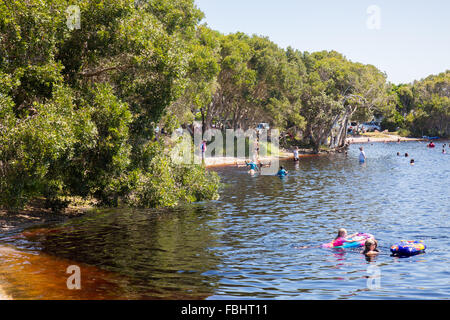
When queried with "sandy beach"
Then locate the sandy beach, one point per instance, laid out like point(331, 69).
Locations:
point(379, 137)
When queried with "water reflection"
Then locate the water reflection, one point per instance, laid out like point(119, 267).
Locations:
point(160, 254)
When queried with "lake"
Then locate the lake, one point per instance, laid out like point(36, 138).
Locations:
point(248, 244)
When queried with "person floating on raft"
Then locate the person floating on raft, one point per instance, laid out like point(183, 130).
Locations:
point(348, 241)
point(343, 240)
point(342, 237)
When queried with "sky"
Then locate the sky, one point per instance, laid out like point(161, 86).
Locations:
point(407, 39)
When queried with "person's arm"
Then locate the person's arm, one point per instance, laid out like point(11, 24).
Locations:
point(348, 238)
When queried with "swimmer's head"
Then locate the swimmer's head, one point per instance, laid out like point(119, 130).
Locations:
point(370, 245)
point(341, 233)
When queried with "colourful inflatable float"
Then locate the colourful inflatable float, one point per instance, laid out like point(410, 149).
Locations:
point(406, 248)
point(357, 241)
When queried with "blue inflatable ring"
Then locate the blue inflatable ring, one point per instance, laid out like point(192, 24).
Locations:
point(408, 248)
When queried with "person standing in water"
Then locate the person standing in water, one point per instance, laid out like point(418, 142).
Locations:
point(203, 148)
point(282, 172)
point(362, 155)
point(296, 154)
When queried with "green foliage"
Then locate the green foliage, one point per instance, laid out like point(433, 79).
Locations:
point(425, 106)
point(165, 183)
point(77, 106)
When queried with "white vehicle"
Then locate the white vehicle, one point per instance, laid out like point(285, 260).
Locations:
point(262, 126)
point(370, 126)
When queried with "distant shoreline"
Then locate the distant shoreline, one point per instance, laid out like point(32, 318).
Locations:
point(212, 162)
point(385, 138)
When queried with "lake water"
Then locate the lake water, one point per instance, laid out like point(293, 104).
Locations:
point(247, 244)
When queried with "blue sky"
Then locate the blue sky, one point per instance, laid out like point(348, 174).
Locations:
point(413, 40)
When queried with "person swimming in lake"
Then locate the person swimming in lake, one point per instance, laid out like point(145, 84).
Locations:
point(282, 172)
point(253, 167)
point(411, 162)
point(342, 237)
point(252, 164)
point(370, 248)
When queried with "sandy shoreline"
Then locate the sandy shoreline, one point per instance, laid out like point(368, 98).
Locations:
point(387, 138)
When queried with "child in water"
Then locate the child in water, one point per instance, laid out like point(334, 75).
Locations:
point(282, 172)
point(370, 248)
point(253, 167)
point(362, 155)
point(342, 237)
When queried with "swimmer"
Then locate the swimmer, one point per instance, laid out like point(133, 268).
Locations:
point(370, 247)
point(411, 162)
point(406, 155)
point(282, 172)
point(253, 167)
point(342, 237)
point(398, 153)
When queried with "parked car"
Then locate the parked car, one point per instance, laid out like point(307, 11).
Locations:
point(352, 127)
point(263, 126)
point(370, 126)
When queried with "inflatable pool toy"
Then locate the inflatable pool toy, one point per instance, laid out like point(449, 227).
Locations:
point(357, 241)
point(408, 248)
